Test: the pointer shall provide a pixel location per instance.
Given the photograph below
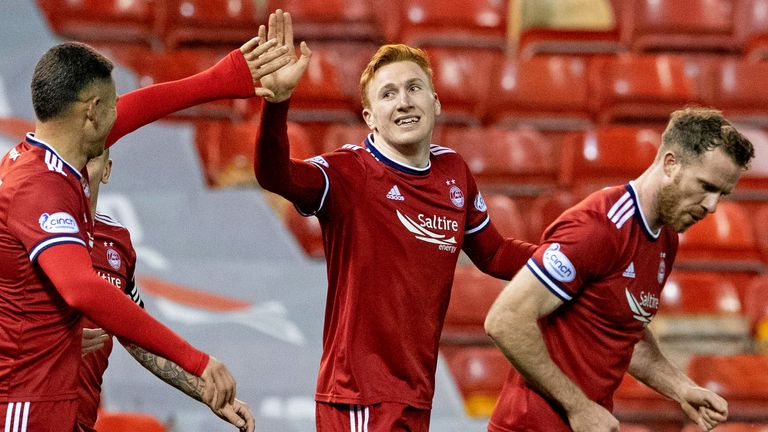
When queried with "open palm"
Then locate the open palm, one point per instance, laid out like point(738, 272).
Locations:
point(282, 81)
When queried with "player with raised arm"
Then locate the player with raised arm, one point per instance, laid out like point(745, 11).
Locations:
point(395, 210)
point(574, 320)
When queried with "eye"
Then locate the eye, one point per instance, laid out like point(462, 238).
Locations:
point(389, 94)
point(414, 87)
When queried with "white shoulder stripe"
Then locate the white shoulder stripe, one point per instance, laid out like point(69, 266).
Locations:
point(45, 244)
point(618, 204)
point(351, 147)
point(479, 227)
point(438, 150)
point(547, 281)
point(622, 210)
point(325, 192)
point(107, 220)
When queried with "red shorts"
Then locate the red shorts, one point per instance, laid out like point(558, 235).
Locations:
point(380, 417)
point(47, 416)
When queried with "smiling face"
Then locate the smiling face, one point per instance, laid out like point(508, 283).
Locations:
point(694, 189)
point(402, 107)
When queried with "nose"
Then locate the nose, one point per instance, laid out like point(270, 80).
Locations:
point(710, 202)
point(404, 100)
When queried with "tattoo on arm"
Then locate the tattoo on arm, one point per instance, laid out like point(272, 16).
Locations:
point(168, 371)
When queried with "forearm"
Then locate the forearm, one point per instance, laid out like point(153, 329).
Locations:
point(297, 181)
point(230, 78)
point(651, 367)
point(497, 256)
point(168, 371)
point(70, 269)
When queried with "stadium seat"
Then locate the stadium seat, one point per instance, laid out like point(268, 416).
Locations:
point(131, 21)
point(472, 295)
point(740, 90)
point(480, 373)
point(458, 23)
point(761, 230)
point(338, 134)
point(753, 185)
point(740, 379)
point(755, 300)
point(731, 427)
point(700, 313)
point(516, 162)
point(333, 19)
point(581, 40)
point(119, 421)
point(752, 28)
point(673, 25)
point(546, 208)
point(507, 216)
point(226, 23)
point(723, 241)
point(455, 75)
point(629, 88)
point(546, 92)
point(635, 402)
point(606, 156)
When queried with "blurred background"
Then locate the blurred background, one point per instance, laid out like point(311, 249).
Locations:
point(547, 101)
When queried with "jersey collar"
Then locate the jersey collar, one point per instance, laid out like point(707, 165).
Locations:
point(640, 215)
point(32, 140)
point(381, 157)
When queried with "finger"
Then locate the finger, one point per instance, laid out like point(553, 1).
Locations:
point(691, 412)
point(229, 414)
point(713, 415)
point(262, 33)
point(272, 29)
point(250, 45)
point(245, 412)
point(280, 24)
point(257, 52)
point(270, 67)
point(258, 59)
point(288, 29)
point(266, 93)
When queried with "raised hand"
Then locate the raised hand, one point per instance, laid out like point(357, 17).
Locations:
point(220, 386)
point(263, 58)
point(282, 82)
point(239, 414)
point(93, 340)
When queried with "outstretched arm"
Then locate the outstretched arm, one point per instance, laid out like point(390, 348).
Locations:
point(651, 367)
point(512, 324)
point(235, 76)
point(497, 256)
point(236, 413)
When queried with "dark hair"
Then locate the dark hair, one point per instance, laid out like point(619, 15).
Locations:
point(694, 131)
point(388, 54)
point(62, 73)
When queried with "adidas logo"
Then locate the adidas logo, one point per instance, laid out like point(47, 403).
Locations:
point(630, 271)
point(394, 194)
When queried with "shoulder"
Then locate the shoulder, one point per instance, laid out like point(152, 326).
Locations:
point(105, 226)
point(109, 221)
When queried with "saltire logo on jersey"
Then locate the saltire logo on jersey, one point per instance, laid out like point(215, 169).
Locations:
point(394, 194)
point(54, 163)
point(558, 265)
point(113, 258)
point(58, 223)
point(636, 307)
point(419, 229)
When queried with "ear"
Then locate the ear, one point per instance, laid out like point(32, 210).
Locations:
point(438, 108)
point(368, 117)
point(107, 172)
point(670, 164)
point(90, 112)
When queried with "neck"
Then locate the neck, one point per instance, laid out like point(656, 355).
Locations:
point(68, 144)
point(647, 187)
point(415, 155)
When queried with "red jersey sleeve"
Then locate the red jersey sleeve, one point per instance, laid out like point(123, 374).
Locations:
point(41, 219)
point(575, 249)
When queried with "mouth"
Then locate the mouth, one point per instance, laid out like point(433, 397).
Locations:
point(407, 121)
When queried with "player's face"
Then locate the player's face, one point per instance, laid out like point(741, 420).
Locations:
point(403, 106)
point(696, 188)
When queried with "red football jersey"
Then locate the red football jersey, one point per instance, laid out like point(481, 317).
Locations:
point(608, 267)
point(114, 259)
point(39, 353)
point(392, 236)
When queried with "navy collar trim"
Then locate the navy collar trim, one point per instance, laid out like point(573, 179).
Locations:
point(652, 236)
point(43, 145)
point(381, 157)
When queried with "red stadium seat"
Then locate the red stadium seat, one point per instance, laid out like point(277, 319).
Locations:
point(338, 134)
point(102, 20)
point(228, 23)
point(606, 156)
point(455, 75)
point(333, 19)
point(756, 301)
point(723, 241)
point(752, 28)
point(646, 88)
point(547, 92)
point(506, 216)
point(696, 293)
point(673, 25)
point(731, 427)
point(459, 23)
point(546, 208)
point(480, 373)
point(472, 295)
point(753, 185)
point(127, 422)
point(635, 402)
point(740, 379)
point(517, 162)
point(538, 40)
point(740, 90)
point(761, 231)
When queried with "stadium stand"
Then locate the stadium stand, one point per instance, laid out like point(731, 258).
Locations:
point(118, 421)
point(472, 294)
point(546, 93)
point(740, 89)
point(752, 28)
point(480, 373)
point(736, 378)
point(636, 403)
point(546, 208)
point(334, 19)
point(755, 303)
